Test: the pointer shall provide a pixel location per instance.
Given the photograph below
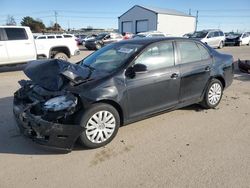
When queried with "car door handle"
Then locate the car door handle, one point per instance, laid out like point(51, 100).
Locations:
point(174, 76)
point(207, 69)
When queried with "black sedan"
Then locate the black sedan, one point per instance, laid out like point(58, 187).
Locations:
point(118, 84)
point(101, 40)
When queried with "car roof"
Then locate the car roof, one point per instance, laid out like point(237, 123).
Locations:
point(149, 40)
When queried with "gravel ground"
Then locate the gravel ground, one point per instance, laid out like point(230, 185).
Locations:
point(190, 147)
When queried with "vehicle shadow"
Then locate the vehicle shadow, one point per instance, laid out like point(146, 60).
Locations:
point(13, 142)
point(12, 68)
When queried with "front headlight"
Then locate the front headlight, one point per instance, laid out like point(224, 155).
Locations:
point(61, 103)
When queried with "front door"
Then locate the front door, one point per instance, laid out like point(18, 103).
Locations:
point(157, 88)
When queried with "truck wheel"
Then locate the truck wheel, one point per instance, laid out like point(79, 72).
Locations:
point(61, 56)
point(213, 94)
point(101, 123)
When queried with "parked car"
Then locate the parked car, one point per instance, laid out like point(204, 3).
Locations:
point(102, 39)
point(80, 38)
point(121, 83)
point(56, 46)
point(238, 39)
point(150, 34)
point(187, 35)
point(244, 66)
point(17, 45)
point(89, 37)
point(214, 38)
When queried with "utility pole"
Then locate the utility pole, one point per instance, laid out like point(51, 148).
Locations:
point(197, 16)
point(56, 14)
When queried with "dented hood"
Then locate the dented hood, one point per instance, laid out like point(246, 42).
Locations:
point(53, 74)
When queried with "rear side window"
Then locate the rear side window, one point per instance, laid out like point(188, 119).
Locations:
point(16, 34)
point(1, 38)
point(157, 56)
point(67, 36)
point(43, 37)
point(58, 37)
point(51, 37)
point(216, 34)
point(190, 52)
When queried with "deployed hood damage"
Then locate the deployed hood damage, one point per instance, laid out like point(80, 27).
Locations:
point(53, 74)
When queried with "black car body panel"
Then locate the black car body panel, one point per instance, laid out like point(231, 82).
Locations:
point(135, 96)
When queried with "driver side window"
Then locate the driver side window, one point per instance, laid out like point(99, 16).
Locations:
point(157, 56)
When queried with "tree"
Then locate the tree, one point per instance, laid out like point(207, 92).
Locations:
point(10, 20)
point(36, 26)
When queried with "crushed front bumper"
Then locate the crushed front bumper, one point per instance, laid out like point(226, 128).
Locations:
point(60, 136)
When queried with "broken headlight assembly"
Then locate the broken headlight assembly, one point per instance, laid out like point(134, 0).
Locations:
point(64, 102)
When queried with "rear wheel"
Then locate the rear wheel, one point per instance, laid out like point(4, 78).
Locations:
point(61, 56)
point(213, 94)
point(221, 45)
point(101, 123)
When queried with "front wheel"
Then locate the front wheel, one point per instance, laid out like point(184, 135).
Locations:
point(213, 94)
point(98, 46)
point(101, 123)
point(61, 56)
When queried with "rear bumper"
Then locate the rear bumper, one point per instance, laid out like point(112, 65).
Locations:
point(60, 136)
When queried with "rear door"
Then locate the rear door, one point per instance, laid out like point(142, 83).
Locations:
point(195, 67)
point(20, 45)
point(3, 51)
point(158, 88)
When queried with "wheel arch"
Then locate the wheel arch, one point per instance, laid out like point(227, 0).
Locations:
point(116, 106)
point(63, 49)
point(221, 79)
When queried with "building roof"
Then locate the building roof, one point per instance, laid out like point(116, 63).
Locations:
point(161, 11)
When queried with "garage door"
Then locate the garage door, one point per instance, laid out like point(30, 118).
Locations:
point(141, 26)
point(127, 26)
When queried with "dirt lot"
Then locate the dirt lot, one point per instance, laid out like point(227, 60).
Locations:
point(190, 147)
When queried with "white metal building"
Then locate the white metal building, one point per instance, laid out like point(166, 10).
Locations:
point(141, 19)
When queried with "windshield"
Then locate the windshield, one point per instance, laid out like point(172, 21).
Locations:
point(199, 34)
point(111, 57)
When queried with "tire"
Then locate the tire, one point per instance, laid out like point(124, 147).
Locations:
point(213, 94)
point(96, 134)
point(248, 43)
point(220, 45)
point(98, 46)
point(61, 56)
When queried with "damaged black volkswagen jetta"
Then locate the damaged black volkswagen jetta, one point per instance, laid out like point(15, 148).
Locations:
point(119, 84)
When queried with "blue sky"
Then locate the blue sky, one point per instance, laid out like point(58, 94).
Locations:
point(223, 14)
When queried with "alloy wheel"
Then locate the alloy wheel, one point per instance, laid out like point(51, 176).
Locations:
point(100, 127)
point(214, 94)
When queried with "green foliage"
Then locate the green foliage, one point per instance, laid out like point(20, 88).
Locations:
point(36, 26)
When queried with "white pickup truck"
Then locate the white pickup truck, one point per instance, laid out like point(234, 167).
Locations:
point(17, 45)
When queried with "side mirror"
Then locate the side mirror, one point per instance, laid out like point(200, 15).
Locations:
point(140, 68)
point(137, 68)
